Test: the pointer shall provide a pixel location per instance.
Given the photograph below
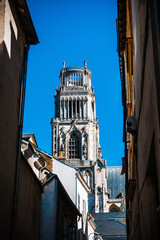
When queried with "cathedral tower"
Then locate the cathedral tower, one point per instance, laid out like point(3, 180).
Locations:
point(75, 131)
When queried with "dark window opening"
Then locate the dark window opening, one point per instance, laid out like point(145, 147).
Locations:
point(82, 109)
point(77, 106)
point(56, 110)
point(70, 109)
point(93, 107)
point(74, 108)
point(74, 152)
point(114, 208)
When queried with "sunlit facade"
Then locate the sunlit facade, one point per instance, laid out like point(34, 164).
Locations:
point(75, 135)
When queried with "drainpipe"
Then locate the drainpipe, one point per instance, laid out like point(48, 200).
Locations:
point(19, 138)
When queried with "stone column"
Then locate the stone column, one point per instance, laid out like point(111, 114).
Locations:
point(60, 112)
point(64, 109)
point(68, 107)
point(82, 79)
point(84, 110)
point(87, 109)
point(80, 112)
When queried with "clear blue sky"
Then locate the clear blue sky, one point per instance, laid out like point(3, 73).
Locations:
point(75, 31)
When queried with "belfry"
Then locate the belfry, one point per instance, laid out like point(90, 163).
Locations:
point(75, 132)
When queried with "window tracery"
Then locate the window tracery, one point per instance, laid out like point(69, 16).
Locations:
point(74, 151)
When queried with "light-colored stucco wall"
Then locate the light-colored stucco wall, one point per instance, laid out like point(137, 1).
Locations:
point(66, 175)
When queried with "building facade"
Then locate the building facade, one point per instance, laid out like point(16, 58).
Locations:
point(17, 33)
point(139, 56)
point(58, 215)
point(75, 132)
point(75, 116)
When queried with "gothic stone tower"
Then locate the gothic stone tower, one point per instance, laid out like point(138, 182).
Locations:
point(75, 132)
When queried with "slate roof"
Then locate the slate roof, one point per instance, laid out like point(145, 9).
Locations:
point(115, 181)
point(111, 224)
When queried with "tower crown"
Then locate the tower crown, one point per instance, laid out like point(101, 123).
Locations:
point(78, 76)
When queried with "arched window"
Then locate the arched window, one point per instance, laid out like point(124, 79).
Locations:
point(114, 208)
point(74, 145)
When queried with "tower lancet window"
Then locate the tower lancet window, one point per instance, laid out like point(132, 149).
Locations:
point(74, 108)
point(70, 109)
point(77, 107)
point(93, 106)
point(74, 152)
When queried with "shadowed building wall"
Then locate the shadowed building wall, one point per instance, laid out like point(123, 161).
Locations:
point(16, 31)
point(139, 56)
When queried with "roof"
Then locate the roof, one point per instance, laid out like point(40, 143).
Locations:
point(44, 153)
point(115, 181)
point(111, 224)
point(26, 20)
point(29, 137)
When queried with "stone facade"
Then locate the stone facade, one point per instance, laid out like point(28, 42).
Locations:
point(75, 112)
point(75, 133)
